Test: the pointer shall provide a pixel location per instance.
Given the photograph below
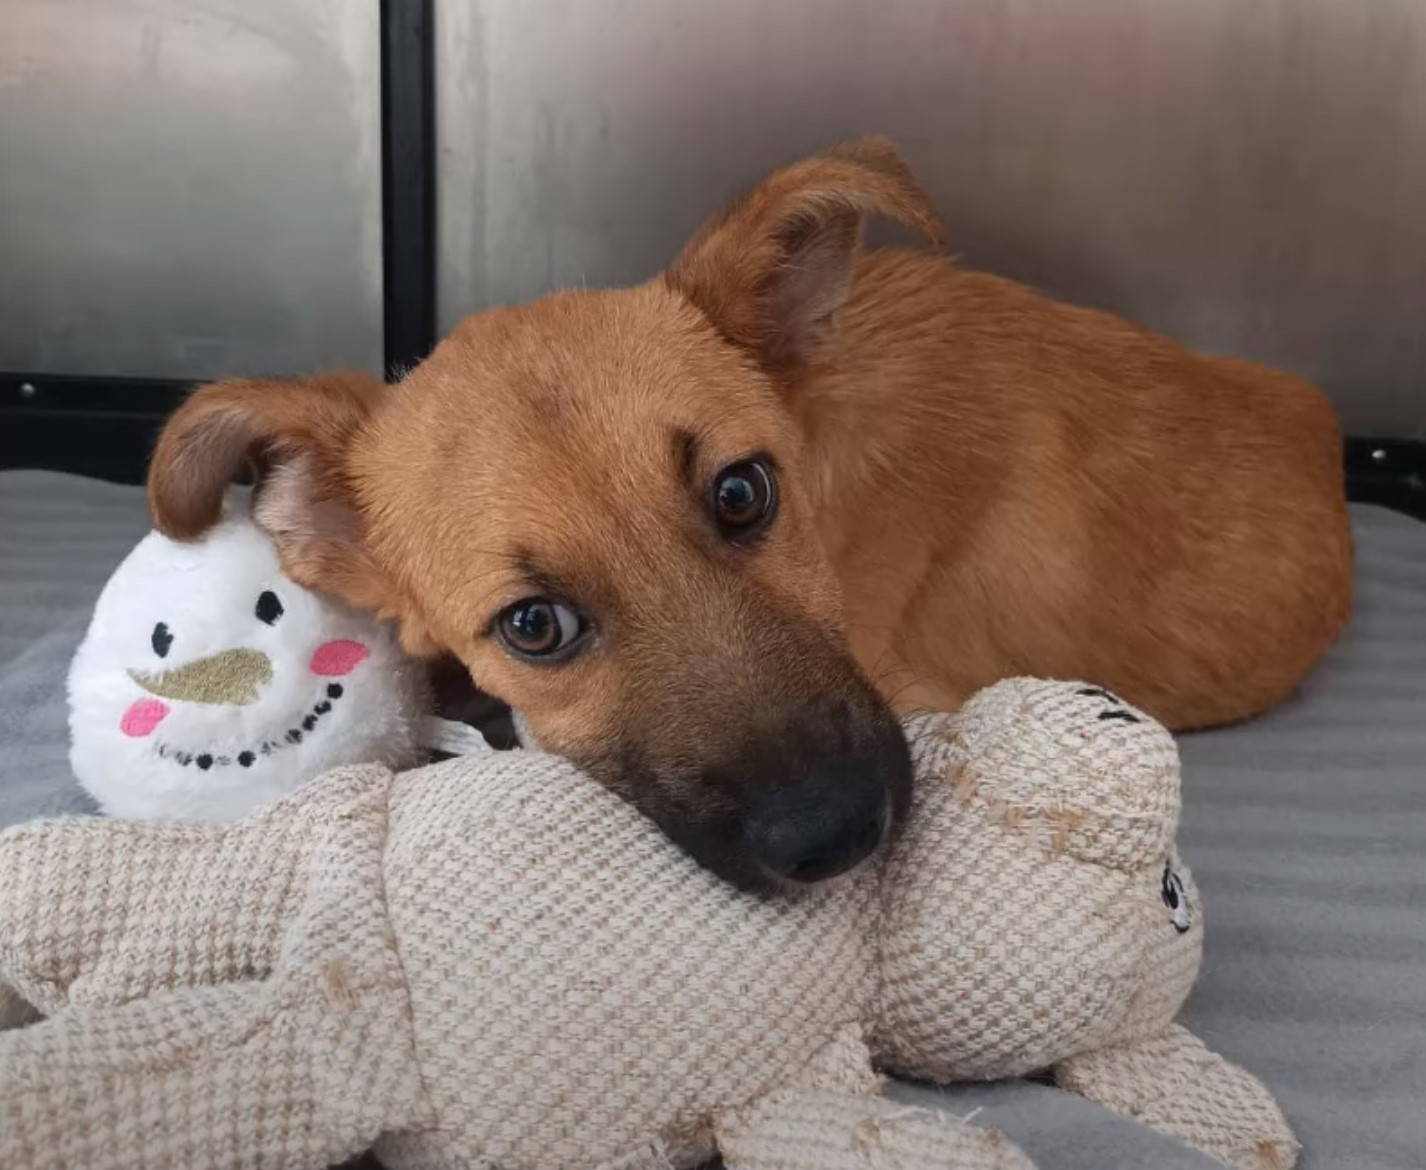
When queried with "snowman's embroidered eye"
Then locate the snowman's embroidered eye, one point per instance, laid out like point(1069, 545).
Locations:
point(161, 639)
point(1176, 899)
point(269, 608)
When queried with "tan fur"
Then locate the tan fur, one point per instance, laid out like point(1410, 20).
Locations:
point(976, 482)
point(1012, 484)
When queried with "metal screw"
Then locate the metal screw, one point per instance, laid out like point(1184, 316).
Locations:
point(28, 390)
point(1379, 455)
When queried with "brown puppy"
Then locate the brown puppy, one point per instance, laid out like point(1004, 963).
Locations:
point(704, 533)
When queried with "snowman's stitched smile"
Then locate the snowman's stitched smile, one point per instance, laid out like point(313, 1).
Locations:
point(233, 677)
point(249, 756)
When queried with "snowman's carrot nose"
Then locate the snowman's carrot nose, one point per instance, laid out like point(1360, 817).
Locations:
point(230, 676)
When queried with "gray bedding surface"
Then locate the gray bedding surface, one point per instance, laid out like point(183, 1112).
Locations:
point(1306, 830)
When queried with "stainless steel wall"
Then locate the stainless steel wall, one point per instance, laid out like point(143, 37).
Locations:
point(1246, 175)
point(189, 187)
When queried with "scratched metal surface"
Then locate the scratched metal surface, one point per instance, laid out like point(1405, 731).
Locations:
point(1245, 175)
point(189, 188)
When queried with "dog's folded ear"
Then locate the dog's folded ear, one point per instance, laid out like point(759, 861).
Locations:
point(771, 270)
point(297, 431)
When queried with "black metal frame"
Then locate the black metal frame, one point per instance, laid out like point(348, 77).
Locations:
point(100, 427)
point(408, 181)
point(105, 427)
point(1391, 472)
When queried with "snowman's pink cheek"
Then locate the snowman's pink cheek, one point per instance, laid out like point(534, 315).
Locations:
point(334, 659)
point(140, 719)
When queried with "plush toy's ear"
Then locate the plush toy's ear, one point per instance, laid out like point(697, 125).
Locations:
point(772, 270)
point(298, 433)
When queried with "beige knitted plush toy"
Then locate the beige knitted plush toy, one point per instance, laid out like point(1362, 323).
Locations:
point(493, 962)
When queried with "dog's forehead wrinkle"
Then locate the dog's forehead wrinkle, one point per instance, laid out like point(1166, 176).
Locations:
point(545, 579)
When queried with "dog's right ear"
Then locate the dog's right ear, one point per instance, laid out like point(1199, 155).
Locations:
point(772, 270)
point(298, 432)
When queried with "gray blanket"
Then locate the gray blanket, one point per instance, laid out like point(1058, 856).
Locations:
point(1306, 830)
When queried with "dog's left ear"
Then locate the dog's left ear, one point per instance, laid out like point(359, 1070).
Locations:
point(772, 270)
point(299, 430)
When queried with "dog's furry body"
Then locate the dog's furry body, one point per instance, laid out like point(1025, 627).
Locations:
point(965, 481)
point(1074, 498)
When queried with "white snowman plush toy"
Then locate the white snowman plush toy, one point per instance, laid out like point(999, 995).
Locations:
point(209, 684)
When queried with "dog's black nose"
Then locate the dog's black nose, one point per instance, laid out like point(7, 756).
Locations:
point(808, 792)
point(818, 828)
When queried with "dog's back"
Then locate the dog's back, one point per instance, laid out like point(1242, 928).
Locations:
point(1013, 485)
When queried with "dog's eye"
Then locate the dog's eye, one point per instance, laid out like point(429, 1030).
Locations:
point(269, 608)
point(744, 499)
point(161, 639)
point(538, 628)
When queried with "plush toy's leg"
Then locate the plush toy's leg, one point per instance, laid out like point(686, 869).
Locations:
point(100, 911)
point(204, 1079)
point(1175, 1084)
point(836, 1131)
point(833, 1118)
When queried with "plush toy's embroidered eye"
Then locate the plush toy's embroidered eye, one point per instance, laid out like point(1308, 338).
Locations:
point(161, 639)
point(269, 609)
point(1176, 900)
point(1108, 696)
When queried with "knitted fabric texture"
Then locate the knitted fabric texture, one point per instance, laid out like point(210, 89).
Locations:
point(199, 905)
point(828, 1131)
point(823, 1121)
point(1176, 1084)
point(496, 962)
point(298, 1069)
point(652, 991)
point(1050, 932)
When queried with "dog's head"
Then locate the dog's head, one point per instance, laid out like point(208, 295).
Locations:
point(600, 503)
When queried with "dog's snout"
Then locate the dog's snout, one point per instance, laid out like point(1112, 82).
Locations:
point(773, 770)
point(820, 828)
point(819, 794)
